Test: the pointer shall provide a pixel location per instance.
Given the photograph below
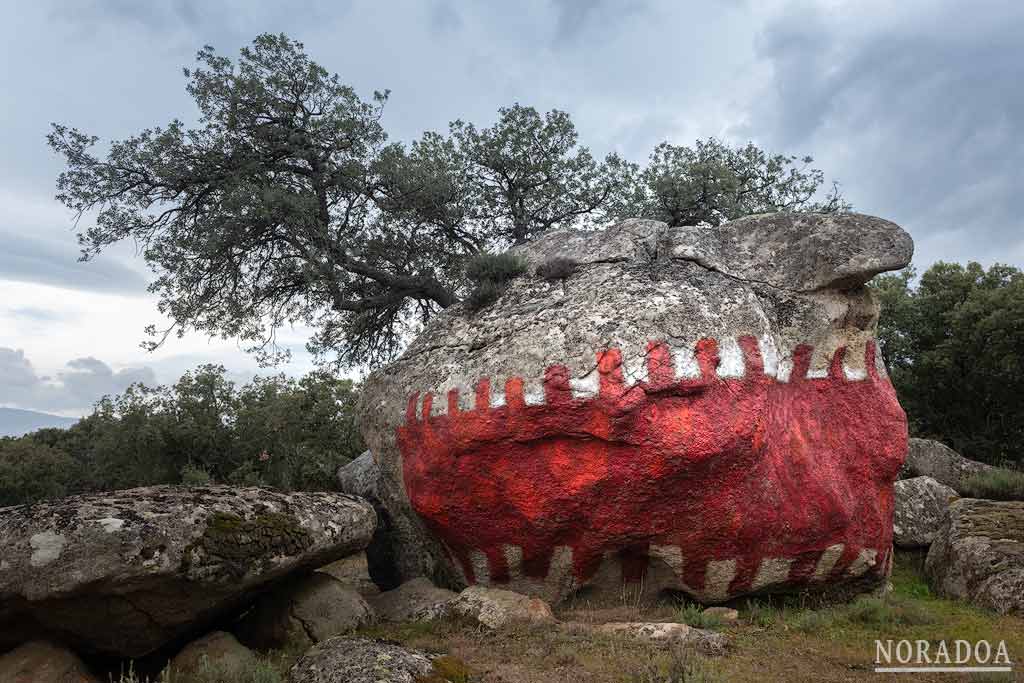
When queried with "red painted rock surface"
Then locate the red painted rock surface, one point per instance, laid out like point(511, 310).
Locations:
point(737, 483)
point(692, 408)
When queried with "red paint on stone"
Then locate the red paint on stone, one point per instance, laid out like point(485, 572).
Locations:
point(727, 469)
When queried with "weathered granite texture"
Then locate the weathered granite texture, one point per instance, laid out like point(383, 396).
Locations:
point(127, 572)
point(694, 408)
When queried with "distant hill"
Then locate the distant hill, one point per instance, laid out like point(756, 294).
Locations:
point(15, 422)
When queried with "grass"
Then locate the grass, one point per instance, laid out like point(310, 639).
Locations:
point(995, 484)
point(268, 668)
point(694, 615)
point(791, 638)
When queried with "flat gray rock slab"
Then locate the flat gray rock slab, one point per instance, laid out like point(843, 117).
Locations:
point(127, 572)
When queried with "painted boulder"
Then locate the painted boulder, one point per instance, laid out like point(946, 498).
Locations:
point(695, 408)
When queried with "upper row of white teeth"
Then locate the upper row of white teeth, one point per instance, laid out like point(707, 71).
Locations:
point(731, 365)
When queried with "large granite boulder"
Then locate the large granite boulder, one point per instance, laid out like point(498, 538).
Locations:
point(128, 572)
point(921, 504)
point(360, 660)
point(698, 407)
point(927, 458)
point(978, 554)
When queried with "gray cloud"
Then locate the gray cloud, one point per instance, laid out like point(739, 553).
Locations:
point(914, 106)
point(48, 262)
point(919, 112)
point(73, 390)
point(37, 315)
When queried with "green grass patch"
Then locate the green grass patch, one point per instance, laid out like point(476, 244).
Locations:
point(694, 615)
point(996, 484)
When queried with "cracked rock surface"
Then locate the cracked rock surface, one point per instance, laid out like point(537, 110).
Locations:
point(978, 554)
point(127, 572)
point(360, 660)
point(921, 503)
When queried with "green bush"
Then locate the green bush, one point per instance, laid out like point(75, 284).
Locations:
point(502, 267)
point(694, 615)
point(30, 472)
point(996, 484)
point(490, 275)
point(195, 476)
point(557, 268)
point(274, 431)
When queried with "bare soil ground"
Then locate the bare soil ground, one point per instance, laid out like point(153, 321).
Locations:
point(786, 641)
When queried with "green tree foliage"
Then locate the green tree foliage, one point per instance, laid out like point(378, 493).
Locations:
point(713, 182)
point(954, 344)
point(286, 203)
point(34, 471)
point(275, 431)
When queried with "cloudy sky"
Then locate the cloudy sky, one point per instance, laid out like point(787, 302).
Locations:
point(915, 107)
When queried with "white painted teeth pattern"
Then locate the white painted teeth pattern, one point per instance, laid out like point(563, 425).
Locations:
point(827, 561)
point(866, 559)
point(685, 362)
point(533, 392)
point(772, 572)
point(732, 365)
point(634, 368)
point(497, 389)
point(717, 577)
point(769, 356)
point(730, 359)
point(718, 574)
point(587, 386)
point(880, 362)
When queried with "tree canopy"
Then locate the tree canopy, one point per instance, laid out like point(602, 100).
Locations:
point(287, 204)
point(713, 182)
point(274, 431)
point(954, 344)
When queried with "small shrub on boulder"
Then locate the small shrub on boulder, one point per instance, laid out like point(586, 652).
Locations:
point(995, 484)
point(490, 275)
point(558, 268)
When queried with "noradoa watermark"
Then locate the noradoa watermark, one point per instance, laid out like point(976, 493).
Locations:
point(921, 656)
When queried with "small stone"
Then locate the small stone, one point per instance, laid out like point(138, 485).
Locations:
point(668, 633)
point(359, 660)
point(352, 572)
point(217, 651)
point(415, 600)
point(41, 662)
point(495, 608)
